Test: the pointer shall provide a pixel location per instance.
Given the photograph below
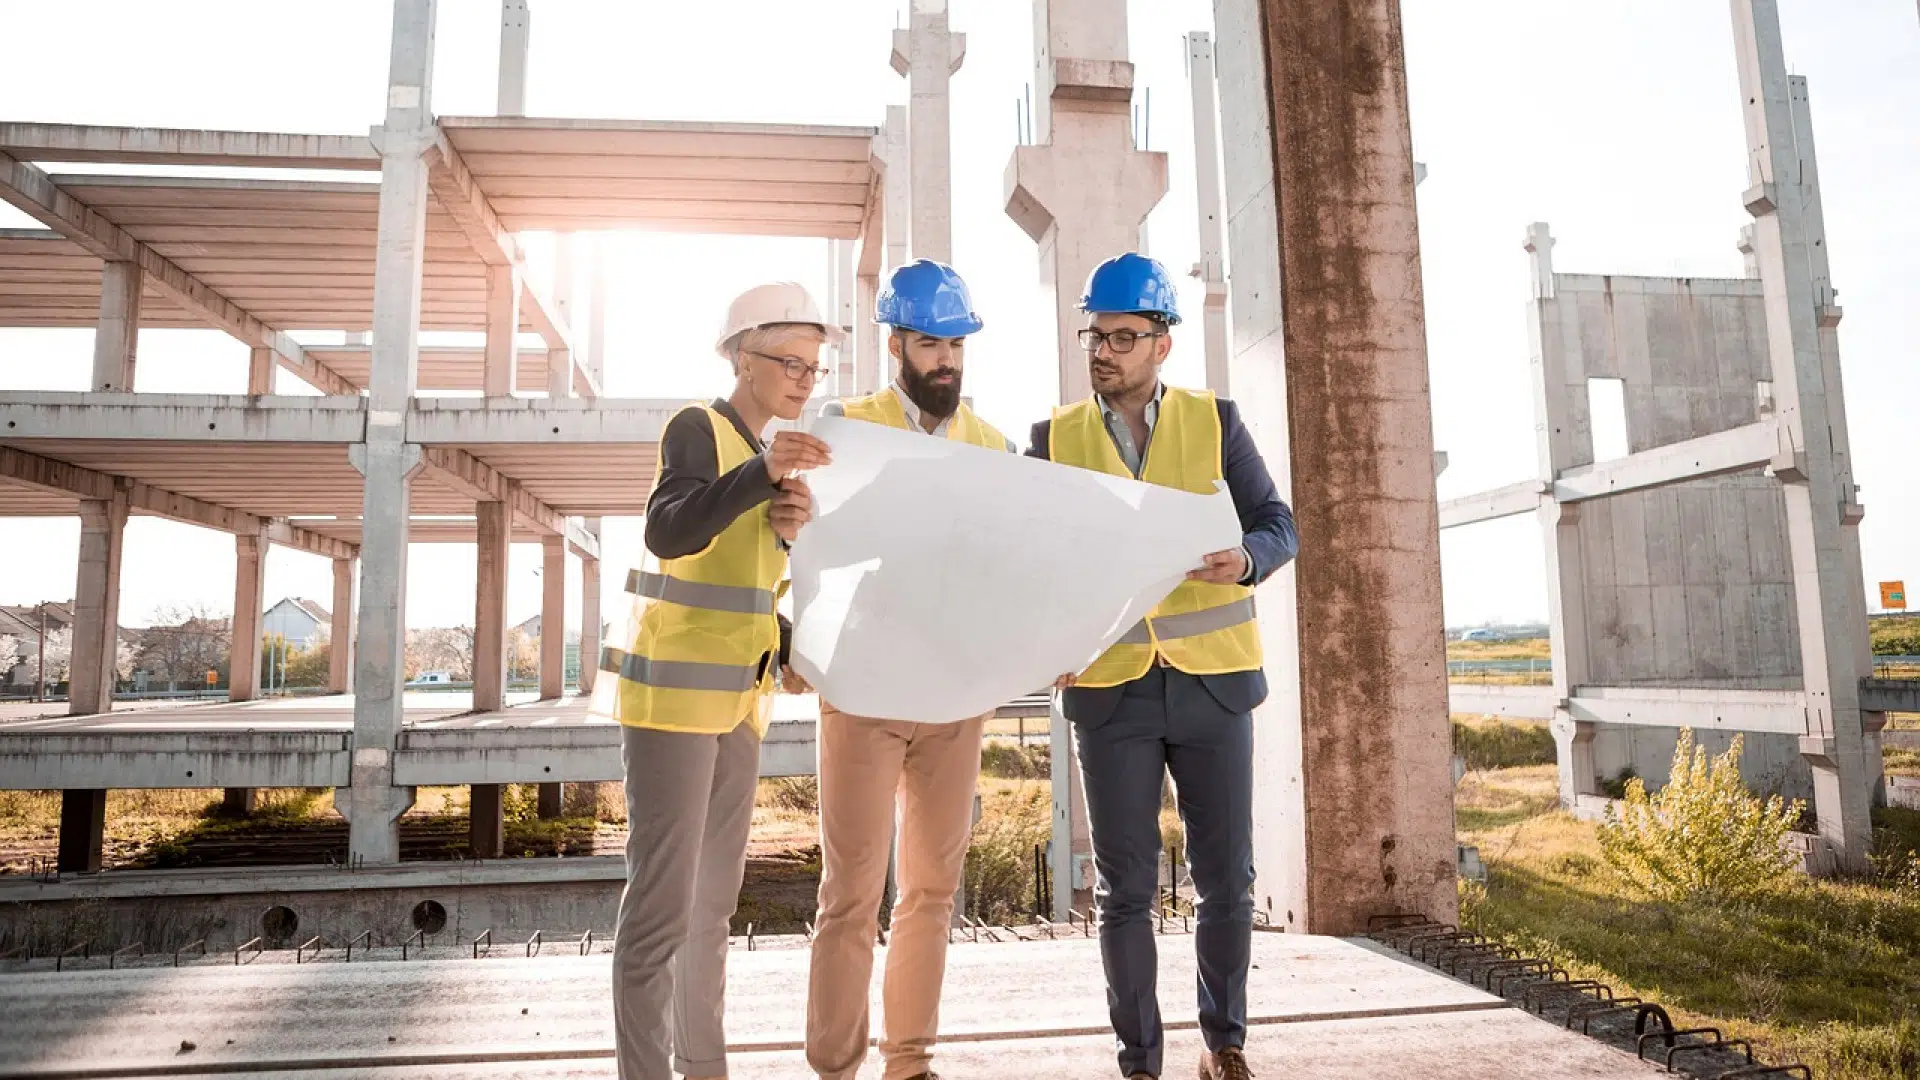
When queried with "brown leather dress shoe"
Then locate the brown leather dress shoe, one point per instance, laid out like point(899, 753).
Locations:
point(1228, 1064)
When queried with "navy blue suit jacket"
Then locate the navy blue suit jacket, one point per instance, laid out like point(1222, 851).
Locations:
point(1271, 542)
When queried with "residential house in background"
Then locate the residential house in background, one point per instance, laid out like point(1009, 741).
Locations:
point(300, 621)
point(22, 623)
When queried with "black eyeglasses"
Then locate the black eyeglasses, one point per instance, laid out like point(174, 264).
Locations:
point(795, 367)
point(1120, 341)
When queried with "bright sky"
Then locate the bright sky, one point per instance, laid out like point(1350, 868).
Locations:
point(1618, 123)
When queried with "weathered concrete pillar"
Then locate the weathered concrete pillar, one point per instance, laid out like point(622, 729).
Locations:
point(372, 804)
point(346, 583)
point(1070, 844)
point(116, 336)
point(493, 537)
point(260, 364)
point(249, 597)
point(559, 360)
point(928, 54)
point(1212, 267)
point(96, 604)
point(551, 801)
point(589, 621)
point(1563, 440)
point(1082, 193)
point(83, 831)
point(516, 32)
point(868, 335)
point(1813, 474)
point(553, 616)
point(500, 359)
point(487, 821)
point(1330, 370)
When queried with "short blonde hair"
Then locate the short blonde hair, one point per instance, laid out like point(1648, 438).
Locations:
point(772, 336)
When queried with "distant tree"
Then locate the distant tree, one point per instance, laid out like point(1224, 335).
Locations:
point(309, 667)
point(440, 648)
point(125, 655)
point(185, 642)
point(10, 650)
point(59, 652)
point(523, 655)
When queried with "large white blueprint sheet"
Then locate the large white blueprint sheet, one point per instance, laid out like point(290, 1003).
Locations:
point(938, 580)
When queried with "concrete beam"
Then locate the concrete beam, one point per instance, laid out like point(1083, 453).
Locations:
point(1890, 695)
point(533, 755)
point(249, 603)
point(1212, 267)
point(34, 192)
point(47, 474)
point(1510, 501)
point(476, 479)
point(182, 417)
point(454, 188)
point(116, 337)
point(553, 618)
point(181, 146)
point(470, 421)
point(1518, 702)
point(1723, 452)
point(1781, 712)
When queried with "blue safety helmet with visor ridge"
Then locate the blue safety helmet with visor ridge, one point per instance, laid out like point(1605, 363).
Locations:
point(928, 297)
point(1131, 284)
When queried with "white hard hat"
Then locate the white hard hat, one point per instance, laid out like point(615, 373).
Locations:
point(767, 305)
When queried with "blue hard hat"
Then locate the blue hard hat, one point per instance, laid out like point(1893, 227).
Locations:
point(929, 297)
point(1131, 284)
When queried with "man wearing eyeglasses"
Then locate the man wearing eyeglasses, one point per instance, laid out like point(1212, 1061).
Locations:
point(1176, 694)
point(866, 764)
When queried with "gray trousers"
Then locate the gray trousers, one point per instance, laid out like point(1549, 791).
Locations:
point(689, 810)
point(1168, 722)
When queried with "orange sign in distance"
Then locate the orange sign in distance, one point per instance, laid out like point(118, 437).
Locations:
point(212, 677)
point(1893, 596)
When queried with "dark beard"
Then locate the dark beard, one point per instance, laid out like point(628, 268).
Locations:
point(934, 399)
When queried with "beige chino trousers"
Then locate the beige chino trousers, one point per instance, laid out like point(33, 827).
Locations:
point(864, 765)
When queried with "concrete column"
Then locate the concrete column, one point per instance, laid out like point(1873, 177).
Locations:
point(929, 54)
point(560, 361)
point(346, 583)
point(372, 804)
point(96, 604)
point(118, 332)
point(842, 303)
point(1070, 846)
point(1315, 90)
point(238, 801)
point(516, 32)
point(1563, 440)
point(1827, 316)
point(249, 597)
point(1082, 193)
point(260, 364)
point(1212, 267)
point(500, 360)
point(553, 616)
point(897, 214)
point(866, 373)
point(1814, 477)
point(589, 618)
point(83, 830)
point(493, 538)
point(486, 821)
point(551, 801)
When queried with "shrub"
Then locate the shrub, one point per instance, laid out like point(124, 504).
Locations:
point(1499, 744)
point(999, 868)
point(1704, 835)
point(800, 794)
point(1011, 761)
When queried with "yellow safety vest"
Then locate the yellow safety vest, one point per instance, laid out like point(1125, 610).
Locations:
point(703, 625)
point(1201, 629)
point(884, 408)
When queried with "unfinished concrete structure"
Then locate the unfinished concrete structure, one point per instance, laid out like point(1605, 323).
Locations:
point(1711, 578)
point(333, 281)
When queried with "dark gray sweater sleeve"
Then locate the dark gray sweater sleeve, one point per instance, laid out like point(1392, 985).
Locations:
point(691, 504)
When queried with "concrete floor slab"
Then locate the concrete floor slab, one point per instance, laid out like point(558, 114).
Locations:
point(270, 1013)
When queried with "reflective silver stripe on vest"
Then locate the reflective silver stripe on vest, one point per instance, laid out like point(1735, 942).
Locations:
point(1205, 621)
point(1191, 623)
point(679, 674)
point(737, 598)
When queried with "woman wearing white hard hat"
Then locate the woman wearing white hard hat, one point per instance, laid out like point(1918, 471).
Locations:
point(692, 687)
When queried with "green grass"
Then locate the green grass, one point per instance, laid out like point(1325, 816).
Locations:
point(1492, 743)
point(1824, 972)
point(1528, 649)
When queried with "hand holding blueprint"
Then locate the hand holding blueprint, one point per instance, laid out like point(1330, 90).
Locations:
point(938, 580)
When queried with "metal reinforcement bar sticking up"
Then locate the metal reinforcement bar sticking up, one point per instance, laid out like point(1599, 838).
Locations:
point(365, 941)
point(1543, 988)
